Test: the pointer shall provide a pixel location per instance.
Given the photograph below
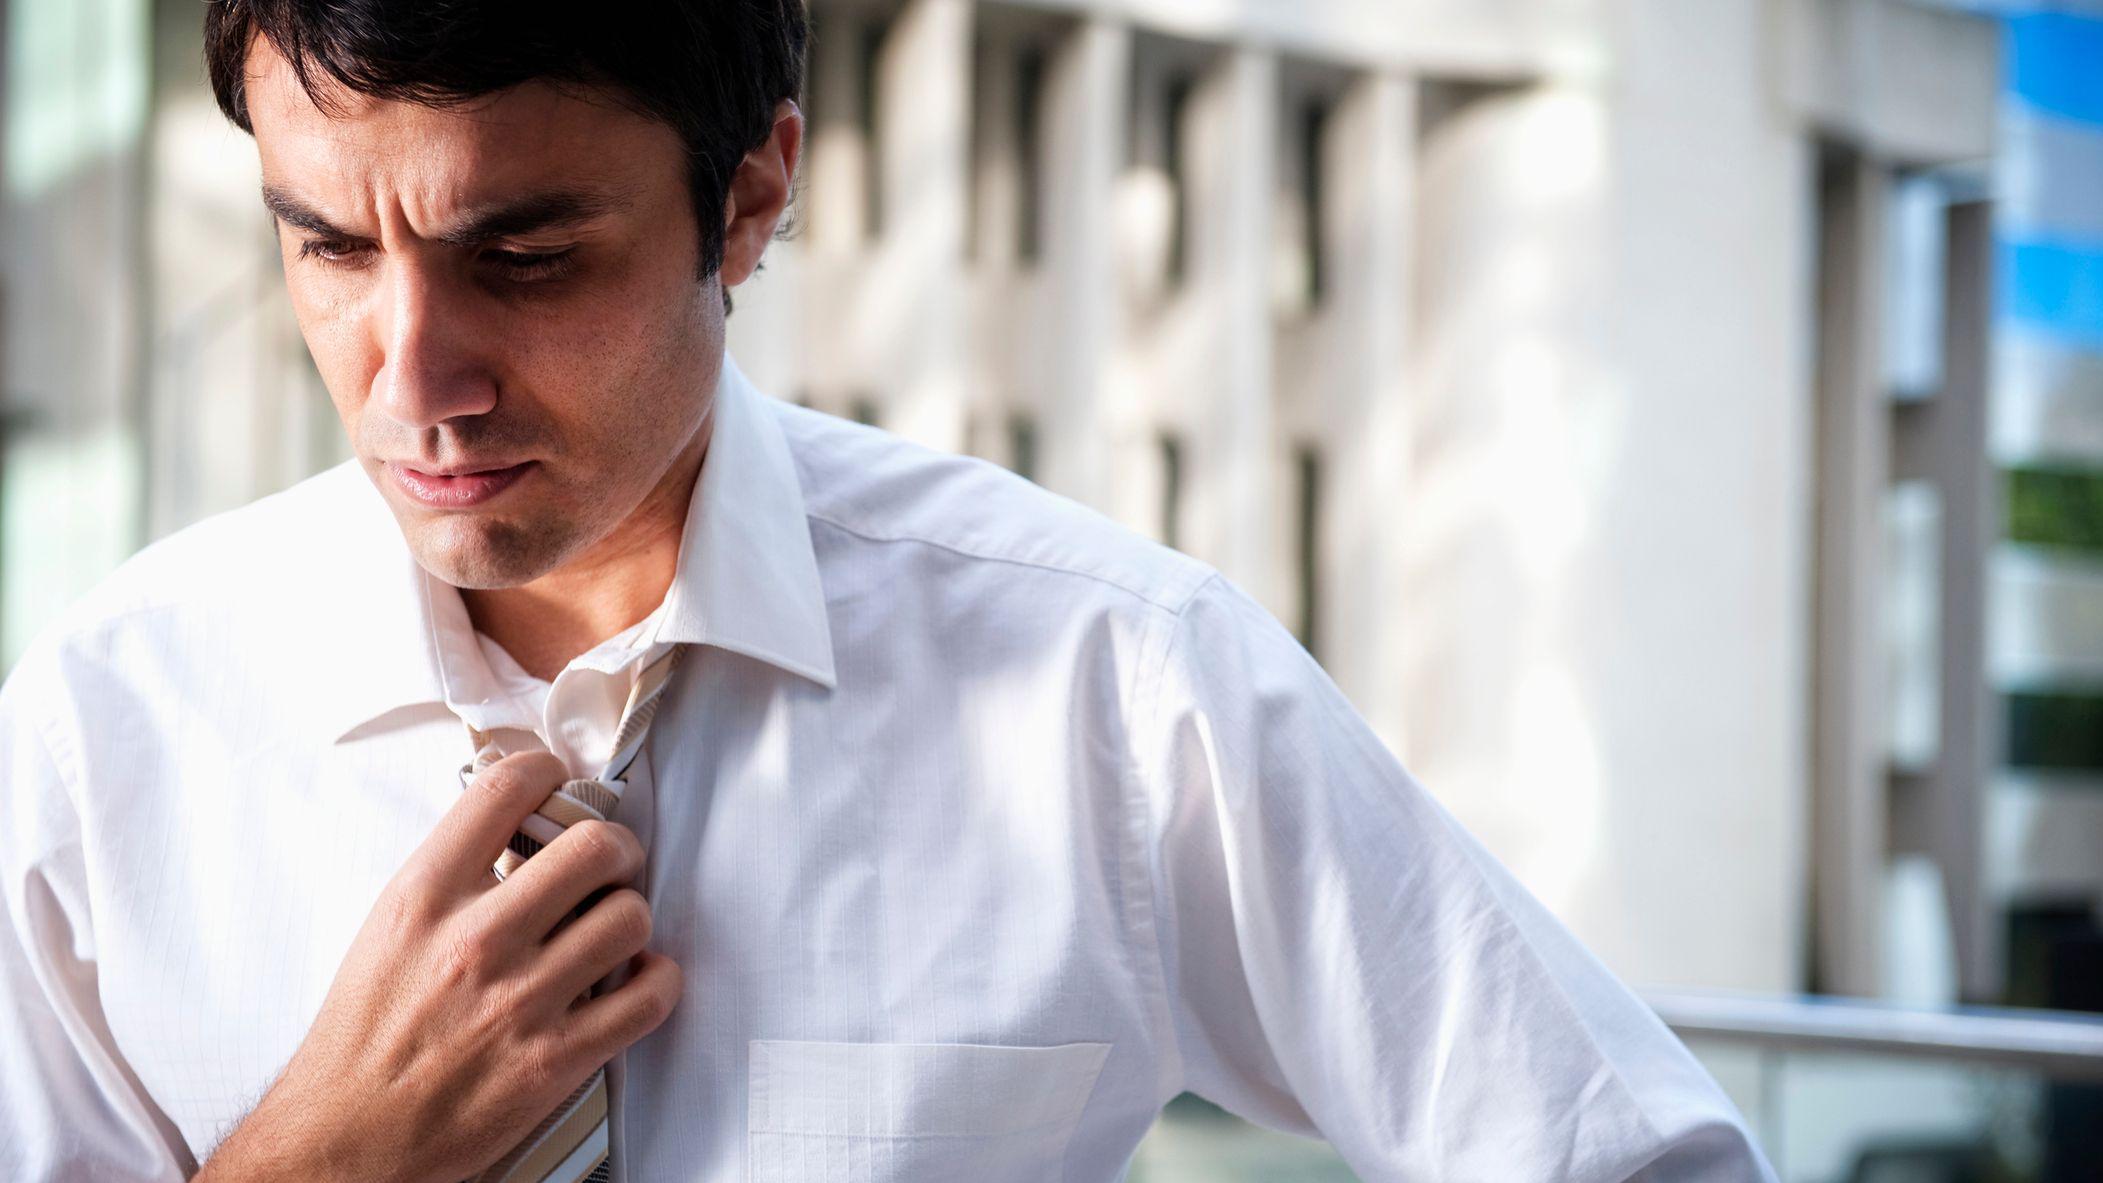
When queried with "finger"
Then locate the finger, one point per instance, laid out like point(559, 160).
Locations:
point(608, 1024)
point(596, 943)
point(468, 839)
point(551, 884)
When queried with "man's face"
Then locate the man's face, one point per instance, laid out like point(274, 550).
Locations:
point(507, 286)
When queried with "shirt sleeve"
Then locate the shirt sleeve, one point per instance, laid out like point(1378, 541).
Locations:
point(70, 1106)
point(1344, 961)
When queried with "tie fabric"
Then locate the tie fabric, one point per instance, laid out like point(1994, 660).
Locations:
point(570, 1145)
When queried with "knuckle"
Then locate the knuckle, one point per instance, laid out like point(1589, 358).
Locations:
point(635, 1018)
point(638, 1007)
point(405, 906)
point(509, 1010)
point(492, 790)
point(655, 994)
point(592, 839)
point(631, 847)
point(543, 1061)
point(629, 915)
point(513, 1002)
point(540, 768)
point(517, 772)
point(496, 779)
point(669, 991)
point(456, 965)
point(608, 843)
point(466, 954)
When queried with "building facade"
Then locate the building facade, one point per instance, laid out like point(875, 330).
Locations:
point(2045, 837)
point(1531, 359)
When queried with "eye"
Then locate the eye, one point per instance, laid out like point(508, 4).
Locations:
point(530, 265)
point(331, 250)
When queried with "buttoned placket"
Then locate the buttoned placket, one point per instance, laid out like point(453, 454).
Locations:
point(611, 667)
point(638, 811)
point(577, 713)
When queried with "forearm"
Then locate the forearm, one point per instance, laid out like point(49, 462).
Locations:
point(282, 1139)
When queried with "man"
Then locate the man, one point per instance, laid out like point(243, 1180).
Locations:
point(952, 829)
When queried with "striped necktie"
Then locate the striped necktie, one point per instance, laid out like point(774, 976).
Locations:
point(570, 1145)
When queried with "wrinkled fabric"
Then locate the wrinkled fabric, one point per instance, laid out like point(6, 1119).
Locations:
point(980, 826)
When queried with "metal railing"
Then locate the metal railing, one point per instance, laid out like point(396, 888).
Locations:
point(1832, 1088)
point(2056, 1044)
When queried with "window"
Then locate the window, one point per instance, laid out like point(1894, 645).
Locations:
point(1005, 194)
point(2056, 506)
point(1029, 115)
point(1022, 445)
point(1170, 449)
point(2060, 731)
point(1307, 495)
point(1314, 120)
point(2057, 726)
point(868, 70)
point(1178, 108)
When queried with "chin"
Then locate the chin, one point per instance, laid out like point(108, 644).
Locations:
point(471, 552)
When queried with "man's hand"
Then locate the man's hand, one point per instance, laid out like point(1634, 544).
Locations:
point(456, 1022)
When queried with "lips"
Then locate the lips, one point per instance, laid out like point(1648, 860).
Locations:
point(459, 489)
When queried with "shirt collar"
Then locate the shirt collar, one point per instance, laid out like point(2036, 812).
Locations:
point(746, 579)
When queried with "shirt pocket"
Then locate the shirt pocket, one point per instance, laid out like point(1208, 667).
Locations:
point(930, 1112)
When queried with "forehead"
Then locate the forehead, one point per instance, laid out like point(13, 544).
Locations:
point(531, 136)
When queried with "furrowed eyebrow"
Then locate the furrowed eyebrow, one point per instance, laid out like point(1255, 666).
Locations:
point(293, 212)
point(552, 210)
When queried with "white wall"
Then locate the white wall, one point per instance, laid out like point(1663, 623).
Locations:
point(1607, 536)
point(70, 239)
point(1563, 388)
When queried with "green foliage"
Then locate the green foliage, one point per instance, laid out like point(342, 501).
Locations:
point(2056, 506)
point(2056, 732)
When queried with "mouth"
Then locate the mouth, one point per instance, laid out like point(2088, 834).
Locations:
point(459, 486)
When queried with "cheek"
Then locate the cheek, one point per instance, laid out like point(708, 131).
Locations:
point(624, 366)
point(625, 312)
point(332, 326)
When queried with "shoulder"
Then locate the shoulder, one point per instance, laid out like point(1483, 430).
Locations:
point(232, 565)
point(868, 492)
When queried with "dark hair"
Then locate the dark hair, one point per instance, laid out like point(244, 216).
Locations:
point(712, 69)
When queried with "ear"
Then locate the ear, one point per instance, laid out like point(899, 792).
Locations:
point(759, 194)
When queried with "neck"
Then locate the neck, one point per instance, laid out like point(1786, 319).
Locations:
point(621, 579)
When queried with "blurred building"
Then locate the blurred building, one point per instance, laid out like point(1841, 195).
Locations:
point(1597, 386)
point(2046, 840)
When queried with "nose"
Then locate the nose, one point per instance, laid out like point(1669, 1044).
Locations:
point(431, 368)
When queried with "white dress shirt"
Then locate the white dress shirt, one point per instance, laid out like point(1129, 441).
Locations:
point(980, 826)
point(576, 716)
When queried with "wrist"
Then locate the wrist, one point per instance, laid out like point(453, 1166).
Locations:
point(280, 1139)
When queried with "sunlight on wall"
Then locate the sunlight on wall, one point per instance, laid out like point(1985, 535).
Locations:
point(75, 106)
point(1517, 433)
point(59, 494)
point(76, 87)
